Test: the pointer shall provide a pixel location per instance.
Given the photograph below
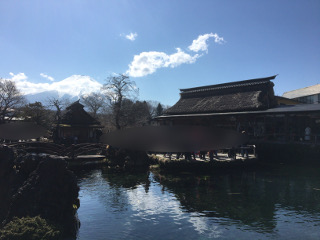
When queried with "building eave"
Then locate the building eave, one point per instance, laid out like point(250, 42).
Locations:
point(301, 108)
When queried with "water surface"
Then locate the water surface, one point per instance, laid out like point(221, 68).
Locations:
point(278, 203)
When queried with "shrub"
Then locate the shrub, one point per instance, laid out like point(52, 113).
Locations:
point(29, 228)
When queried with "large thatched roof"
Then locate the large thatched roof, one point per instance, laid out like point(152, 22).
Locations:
point(76, 115)
point(248, 95)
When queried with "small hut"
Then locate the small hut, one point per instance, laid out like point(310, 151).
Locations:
point(77, 126)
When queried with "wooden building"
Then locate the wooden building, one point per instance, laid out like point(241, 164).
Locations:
point(77, 126)
point(249, 106)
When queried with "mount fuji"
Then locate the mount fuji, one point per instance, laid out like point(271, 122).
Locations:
point(70, 88)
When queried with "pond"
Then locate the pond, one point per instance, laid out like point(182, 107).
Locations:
point(274, 203)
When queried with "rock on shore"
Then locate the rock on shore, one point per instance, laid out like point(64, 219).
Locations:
point(33, 185)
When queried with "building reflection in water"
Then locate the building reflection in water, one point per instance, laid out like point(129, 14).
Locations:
point(150, 204)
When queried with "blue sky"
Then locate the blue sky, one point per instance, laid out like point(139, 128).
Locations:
point(163, 45)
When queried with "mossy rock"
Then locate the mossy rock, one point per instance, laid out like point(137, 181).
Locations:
point(29, 228)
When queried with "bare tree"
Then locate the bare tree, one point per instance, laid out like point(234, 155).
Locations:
point(59, 105)
point(117, 89)
point(93, 102)
point(153, 108)
point(10, 99)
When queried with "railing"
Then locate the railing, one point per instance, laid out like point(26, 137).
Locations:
point(281, 137)
point(245, 151)
point(71, 151)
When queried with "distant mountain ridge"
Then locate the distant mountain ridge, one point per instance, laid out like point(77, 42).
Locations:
point(44, 97)
point(71, 88)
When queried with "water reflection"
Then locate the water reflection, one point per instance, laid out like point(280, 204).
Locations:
point(256, 204)
point(253, 198)
point(238, 197)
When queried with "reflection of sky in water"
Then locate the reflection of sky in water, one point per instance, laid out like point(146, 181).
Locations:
point(155, 205)
point(114, 212)
point(107, 212)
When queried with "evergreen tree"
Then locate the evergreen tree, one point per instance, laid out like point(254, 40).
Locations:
point(159, 110)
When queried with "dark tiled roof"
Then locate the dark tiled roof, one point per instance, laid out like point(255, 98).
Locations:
point(248, 95)
point(244, 83)
point(76, 115)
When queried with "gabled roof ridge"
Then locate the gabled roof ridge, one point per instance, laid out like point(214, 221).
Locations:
point(248, 82)
point(75, 104)
point(75, 114)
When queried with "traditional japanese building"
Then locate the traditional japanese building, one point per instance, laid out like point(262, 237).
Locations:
point(77, 126)
point(249, 106)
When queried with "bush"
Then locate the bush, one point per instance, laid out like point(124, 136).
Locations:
point(28, 228)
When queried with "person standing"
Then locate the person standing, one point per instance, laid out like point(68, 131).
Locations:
point(307, 133)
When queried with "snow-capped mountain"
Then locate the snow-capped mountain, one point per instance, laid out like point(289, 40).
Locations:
point(45, 96)
point(71, 88)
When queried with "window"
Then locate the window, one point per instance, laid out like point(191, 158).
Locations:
point(307, 99)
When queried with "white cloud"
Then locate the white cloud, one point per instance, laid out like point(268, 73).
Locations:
point(74, 85)
point(132, 36)
point(47, 77)
point(148, 62)
point(200, 44)
point(18, 77)
point(179, 58)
